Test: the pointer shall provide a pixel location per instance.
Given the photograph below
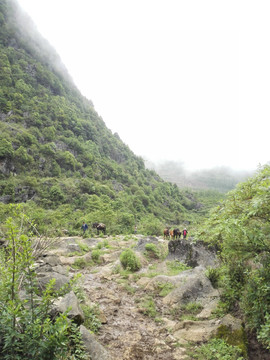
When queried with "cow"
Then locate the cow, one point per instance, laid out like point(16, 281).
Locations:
point(99, 227)
point(176, 234)
point(166, 233)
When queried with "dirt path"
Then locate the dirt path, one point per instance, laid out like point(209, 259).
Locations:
point(127, 332)
point(136, 323)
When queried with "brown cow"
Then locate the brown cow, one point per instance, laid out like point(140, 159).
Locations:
point(166, 233)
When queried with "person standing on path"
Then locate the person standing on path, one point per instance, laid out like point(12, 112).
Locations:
point(84, 227)
point(185, 233)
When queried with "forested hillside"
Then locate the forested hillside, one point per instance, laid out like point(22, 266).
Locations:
point(56, 154)
point(240, 229)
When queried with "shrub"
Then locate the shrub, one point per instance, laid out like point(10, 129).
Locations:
point(217, 349)
point(27, 330)
point(152, 250)
point(79, 263)
point(264, 333)
point(91, 315)
point(6, 149)
point(149, 307)
point(213, 275)
point(129, 260)
point(96, 255)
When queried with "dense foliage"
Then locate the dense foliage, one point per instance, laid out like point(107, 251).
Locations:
point(27, 328)
point(57, 155)
point(240, 227)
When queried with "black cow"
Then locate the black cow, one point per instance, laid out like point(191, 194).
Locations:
point(99, 227)
point(176, 234)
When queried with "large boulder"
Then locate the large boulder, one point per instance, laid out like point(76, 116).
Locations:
point(93, 347)
point(201, 331)
point(146, 240)
point(192, 254)
point(70, 303)
point(44, 278)
point(191, 286)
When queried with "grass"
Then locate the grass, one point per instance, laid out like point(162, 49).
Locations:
point(175, 267)
point(164, 288)
point(148, 307)
point(152, 251)
point(187, 311)
point(216, 349)
point(81, 263)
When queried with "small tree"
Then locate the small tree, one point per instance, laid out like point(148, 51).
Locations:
point(26, 327)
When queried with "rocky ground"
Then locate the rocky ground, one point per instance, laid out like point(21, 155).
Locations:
point(159, 312)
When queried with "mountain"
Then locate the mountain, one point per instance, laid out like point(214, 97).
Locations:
point(57, 157)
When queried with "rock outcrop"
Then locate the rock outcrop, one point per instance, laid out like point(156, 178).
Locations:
point(192, 254)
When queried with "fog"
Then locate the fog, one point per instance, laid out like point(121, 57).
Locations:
point(177, 80)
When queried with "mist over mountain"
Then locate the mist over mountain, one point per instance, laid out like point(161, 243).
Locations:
point(222, 179)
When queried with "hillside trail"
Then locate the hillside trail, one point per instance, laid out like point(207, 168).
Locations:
point(136, 323)
point(127, 331)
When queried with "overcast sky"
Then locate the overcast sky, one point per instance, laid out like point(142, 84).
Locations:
point(184, 80)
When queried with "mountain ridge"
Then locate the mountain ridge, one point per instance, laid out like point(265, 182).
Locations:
point(56, 151)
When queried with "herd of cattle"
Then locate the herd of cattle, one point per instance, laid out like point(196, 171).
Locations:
point(174, 234)
point(167, 233)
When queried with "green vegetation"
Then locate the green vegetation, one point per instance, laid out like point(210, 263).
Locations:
point(240, 228)
point(60, 161)
point(96, 255)
point(26, 327)
point(91, 314)
point(175, 267)
point(164, 288)
point(152, 250)
point(58, 157)
point(187, 311)
point(129, 260)
point(148, 306)
point(217, 349)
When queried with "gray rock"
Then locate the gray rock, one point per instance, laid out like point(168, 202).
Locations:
point(24, 193)
point(6, 199)
point(191, 286)
point(147, 240)
point(70, 301)
point(45, 278)
point(192, 254)
point(52, 260)
point(93, 347)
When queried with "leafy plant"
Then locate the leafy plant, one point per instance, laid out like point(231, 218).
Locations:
point(26, 327)
point(91, 314)
point(129, 260)
point(217, 349)
point(240, 229)
point(148, 306)
point(152, 250)
point(96, 255)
